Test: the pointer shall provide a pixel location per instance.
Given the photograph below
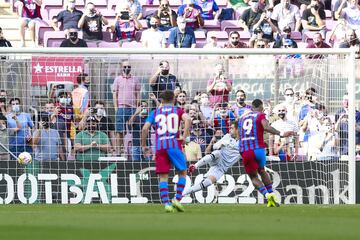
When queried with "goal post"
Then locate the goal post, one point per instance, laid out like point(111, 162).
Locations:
point(309, 176)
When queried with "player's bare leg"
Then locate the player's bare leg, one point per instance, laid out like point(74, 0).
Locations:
point(179, 193)
point(164, 192)
point(265, 177)
point(259, 185)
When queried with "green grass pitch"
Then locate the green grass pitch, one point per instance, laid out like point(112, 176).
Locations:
point(220, 222)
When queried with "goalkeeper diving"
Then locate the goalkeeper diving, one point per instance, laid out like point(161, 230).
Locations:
point(225, 154)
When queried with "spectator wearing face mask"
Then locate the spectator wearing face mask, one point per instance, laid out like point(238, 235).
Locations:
point(69, 18)
point(91, 144)
point(66, 113)
point(19, 126)
point(126, 98)
point(163, 80)
point(286, 148)
point(4, 138)
point(220, 86)
point(166, 15)
point(136, 123)
point(91, 23)
point(285, 40)
point(153, 37)
point(80, 95)
point(200, 134)
point(240, 107)
point(73, 40)
point(46, 142)
point(222, 117)
point(3, 41)
point(205, 107)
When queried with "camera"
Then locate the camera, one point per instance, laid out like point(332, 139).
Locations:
point(124, 15)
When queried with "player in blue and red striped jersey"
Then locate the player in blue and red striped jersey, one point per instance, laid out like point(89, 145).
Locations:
point(224, 118)
point(166, 120)
point(253, 149)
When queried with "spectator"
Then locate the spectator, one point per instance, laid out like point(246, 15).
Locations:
point(192, 149)
point(46, 142)
point(253, 16)
point(257, 40)
point(29, 12)
point(19, 125)
point(105, 124)
point(318, 42)
point(73, 40)
point(338, 33)
point(57, 124)
point(192, 13)
point(3, 41)
point(210, 10)
point(336, 6)
point(91, 144)
point(222, 118)
point(211, 42)
point(3, 107)
point(80, 96)
point(342, 127)
point(313, 131)
point(153, 37)
point(166, 15)
point(126, 25)
point(181, 100)
point(200, 134)
point(285, 41)
point(286, 14)
point(163, 80)
point(134, 7)
point(351, 14)
point(237, 5)
point(234, 41)
point(328, 142)
point(69, 18)
point(65, 112)
point(182, 36)
point(136, 122)
point(313, 18)
point(91, 24)
point(4, 138)
point(205, 107)
point(240, 107)
point(286, 148)
point(219, 87)
point(351, 40)
point(126, 97)
point(291, 105)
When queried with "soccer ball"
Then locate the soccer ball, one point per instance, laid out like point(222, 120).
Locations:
point(24, 158)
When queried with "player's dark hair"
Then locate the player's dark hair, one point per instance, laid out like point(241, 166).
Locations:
point(242, 91)
point(81, 77)
point(235, 124)
point(167, 96)
point(256, 103)
point(99, 102)
point(309, 91)
point(2, 117)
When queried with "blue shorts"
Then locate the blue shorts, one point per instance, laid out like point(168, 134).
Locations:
point(122, 116)
point(254, 159)
point(165, 157)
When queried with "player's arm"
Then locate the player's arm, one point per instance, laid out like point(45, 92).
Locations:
point(272, 130)
point(187, 120)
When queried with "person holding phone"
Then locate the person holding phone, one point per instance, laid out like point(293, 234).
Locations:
point(126, 25)
point(167, 16)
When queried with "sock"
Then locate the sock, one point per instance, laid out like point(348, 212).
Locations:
point(269, 188)
point(164, 193)
point(263, 190)
point(204, 184)
point(180, 188)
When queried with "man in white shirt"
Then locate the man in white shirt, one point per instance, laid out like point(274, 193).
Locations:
point(287, 14)
point(153, 37)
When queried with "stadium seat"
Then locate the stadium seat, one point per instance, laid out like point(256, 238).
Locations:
point(148, 10)
point(109, 45)
point(330, 24)
point(79, 3)
point(220, 35)
point(47, 4)
point(230, 25)
point(52, 37)
point(308, 36)
point(211, 25)
point(98, 3)
point(54, 12)
point(144, 23)
point(44, 14)
point(302, 44)
point(40, 30)
point(244, 36)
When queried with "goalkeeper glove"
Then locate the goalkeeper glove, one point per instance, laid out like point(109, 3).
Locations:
point(192, 168)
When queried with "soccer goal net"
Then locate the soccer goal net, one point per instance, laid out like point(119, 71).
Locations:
point(79, 114)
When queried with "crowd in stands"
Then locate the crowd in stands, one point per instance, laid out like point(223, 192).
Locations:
point(74, 126)
point(192, 23)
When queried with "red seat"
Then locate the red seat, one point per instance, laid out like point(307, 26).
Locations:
point(220, 35)
point(211, 25)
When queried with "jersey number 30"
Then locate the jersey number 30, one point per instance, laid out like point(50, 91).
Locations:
point(247, 126)
point(169, 123)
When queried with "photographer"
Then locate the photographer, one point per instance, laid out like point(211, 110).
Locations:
point(91, 23)
point(313, 18)
point(167, 16)
point(219, 87)
point(46, 142)
point(126, 25)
